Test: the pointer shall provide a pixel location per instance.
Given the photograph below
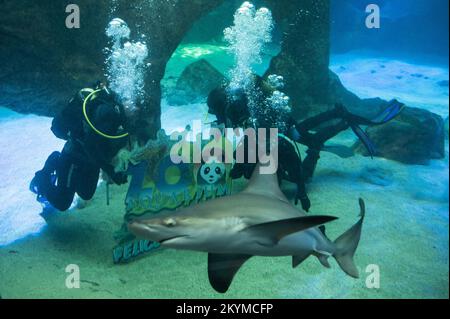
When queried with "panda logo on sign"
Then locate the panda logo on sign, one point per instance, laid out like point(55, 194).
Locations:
point(211, 173)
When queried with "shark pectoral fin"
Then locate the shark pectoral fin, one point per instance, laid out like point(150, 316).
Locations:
point(222, 268)
point(271, 233)
point(299, 258)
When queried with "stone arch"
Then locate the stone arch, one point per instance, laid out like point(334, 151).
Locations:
point(204, 49)
point(48, 62)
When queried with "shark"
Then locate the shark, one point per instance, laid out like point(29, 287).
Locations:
point(258, 221)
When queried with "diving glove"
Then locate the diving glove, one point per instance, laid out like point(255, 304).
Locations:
point(119, 178)
point(304, 200)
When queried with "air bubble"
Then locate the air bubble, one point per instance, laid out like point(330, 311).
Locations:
point(125, 66)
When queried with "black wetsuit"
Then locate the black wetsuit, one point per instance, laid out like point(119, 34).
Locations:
point(315, 140)
point(77, 167)
point(291, 167)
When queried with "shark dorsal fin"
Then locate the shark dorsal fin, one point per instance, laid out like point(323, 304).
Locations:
point(265, 184)
point(222, 268)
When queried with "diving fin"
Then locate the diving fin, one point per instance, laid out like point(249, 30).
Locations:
point(393, 110)
point(368, 144)
point(222, 268)
point(271, 233)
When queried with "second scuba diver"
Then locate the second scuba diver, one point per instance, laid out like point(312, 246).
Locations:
point(233, 111)
point(93, 124)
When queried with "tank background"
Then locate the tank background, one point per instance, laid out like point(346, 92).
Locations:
point(416, 29)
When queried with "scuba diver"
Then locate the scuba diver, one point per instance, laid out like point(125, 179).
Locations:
point(233, 112)
point(93, 124)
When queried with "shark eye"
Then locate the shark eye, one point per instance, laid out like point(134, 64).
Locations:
point(170, 222)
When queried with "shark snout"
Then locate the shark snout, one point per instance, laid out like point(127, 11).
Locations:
point(139, 229)
point(155, 230)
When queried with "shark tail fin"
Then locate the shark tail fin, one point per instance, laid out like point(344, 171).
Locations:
point(347, 244)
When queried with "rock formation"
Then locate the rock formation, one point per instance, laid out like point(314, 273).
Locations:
point(304, 57)
point(414, 137)
point(195, 83)
point(48, 63)
point(44, 63)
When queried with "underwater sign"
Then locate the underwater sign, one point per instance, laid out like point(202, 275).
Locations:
point(157, 184)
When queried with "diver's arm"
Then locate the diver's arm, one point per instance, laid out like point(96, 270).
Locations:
point(68, 120)
point(103, 150)
point(101, 154)
point(118, 178)
point(62, 123)
point(303, 196)
point(297, 133)
point(59, 129)
point(292, 164)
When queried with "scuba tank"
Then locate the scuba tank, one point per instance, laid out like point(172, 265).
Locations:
point(98, 96)
point(75, 120)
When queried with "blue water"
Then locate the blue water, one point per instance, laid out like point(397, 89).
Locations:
point(416, 29)
point(407, 204)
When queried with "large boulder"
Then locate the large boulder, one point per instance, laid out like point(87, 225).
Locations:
point(367, 108)
point(46, 62)
point(414, 137)
point(195, 83)
point(304, 57)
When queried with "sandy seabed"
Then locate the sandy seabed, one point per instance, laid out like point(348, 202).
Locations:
point(405, 232)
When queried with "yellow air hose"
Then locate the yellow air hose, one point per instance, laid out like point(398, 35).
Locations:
point(92, 125)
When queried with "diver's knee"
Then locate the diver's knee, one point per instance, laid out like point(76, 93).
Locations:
point(86, 195)
point(52, 162)
point(63, 205)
